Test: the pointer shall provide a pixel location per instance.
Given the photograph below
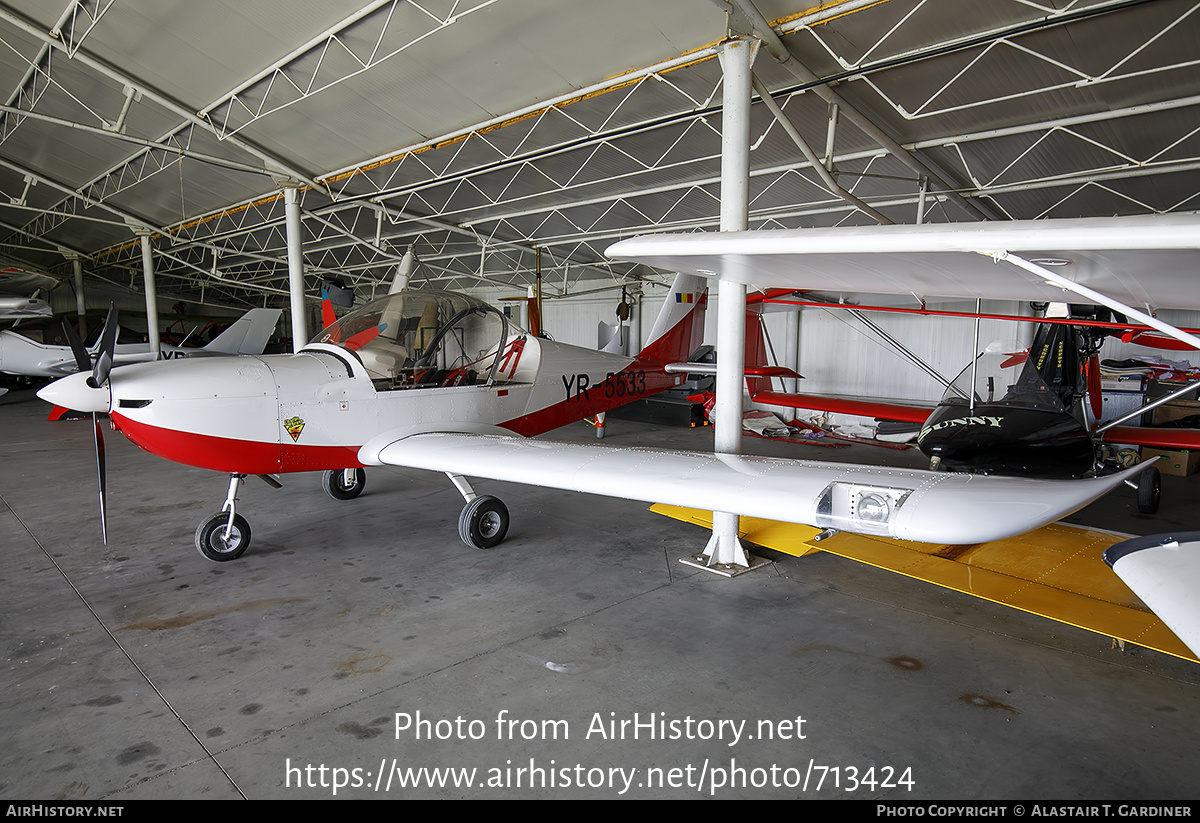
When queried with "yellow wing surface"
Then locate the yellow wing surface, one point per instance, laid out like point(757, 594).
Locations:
point(1056, 571)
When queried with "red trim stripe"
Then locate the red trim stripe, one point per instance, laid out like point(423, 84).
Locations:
point(234, 456)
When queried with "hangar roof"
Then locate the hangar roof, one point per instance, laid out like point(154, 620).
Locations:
point(480, 132)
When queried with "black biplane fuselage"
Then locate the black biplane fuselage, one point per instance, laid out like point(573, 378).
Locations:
point(1033, 426)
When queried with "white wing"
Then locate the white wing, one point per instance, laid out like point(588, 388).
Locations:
point(1163, 571)
point(933, 507)
point(1145, 260)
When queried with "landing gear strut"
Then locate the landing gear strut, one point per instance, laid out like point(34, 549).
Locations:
point(224, 536)
point(483, 522)
point(344, 484)
point(1149, 490)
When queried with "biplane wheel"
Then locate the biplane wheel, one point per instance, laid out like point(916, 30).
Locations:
point(1149, 490)
point(483, 522)
point(334, 484)
point(212, 543)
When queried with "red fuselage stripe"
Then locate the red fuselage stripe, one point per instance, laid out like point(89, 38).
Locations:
point(225, 454)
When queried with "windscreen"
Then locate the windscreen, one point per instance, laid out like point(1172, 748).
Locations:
point(1046, 375)
point(423, 338)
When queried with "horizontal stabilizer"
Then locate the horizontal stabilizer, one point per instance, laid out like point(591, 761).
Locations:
point(749, 371)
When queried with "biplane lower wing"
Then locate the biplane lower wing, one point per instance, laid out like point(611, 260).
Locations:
point(1056, 572)
point(844, 405)
point(1155, 438)
point(911, 504)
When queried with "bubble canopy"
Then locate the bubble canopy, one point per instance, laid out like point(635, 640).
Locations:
point(423, 339)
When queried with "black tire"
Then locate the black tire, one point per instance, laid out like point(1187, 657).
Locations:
point(211, 542)
point(483, 522)
point(334, 484)
point(1149, 490)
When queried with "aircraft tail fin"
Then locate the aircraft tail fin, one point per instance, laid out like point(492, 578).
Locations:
point(248, 335)
point(679, 328)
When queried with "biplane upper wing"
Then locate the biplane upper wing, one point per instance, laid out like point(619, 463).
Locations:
point(1146, 260)
point(925, 506)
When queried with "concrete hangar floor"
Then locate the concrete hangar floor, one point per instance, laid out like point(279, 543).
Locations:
point(359, 646)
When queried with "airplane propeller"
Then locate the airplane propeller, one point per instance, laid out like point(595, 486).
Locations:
point(100, 371)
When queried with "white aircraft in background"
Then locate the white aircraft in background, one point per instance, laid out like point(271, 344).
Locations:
point(17, 290)
point(20, 355)
point(17, 308)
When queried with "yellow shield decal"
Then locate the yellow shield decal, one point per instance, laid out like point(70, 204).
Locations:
point(294, 426)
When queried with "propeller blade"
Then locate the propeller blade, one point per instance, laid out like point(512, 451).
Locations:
point(83, 360)
point(108, 344)
point(100, 476)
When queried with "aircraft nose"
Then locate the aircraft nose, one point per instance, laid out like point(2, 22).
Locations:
point(73, 392)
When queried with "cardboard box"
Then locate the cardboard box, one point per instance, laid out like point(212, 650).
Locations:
point(1158, 388)
point(1175, 410)
point(1180, 463)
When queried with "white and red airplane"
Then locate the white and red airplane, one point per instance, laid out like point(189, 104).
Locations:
point(444, 382)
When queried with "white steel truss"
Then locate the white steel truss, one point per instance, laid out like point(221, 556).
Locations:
point(1019, 116)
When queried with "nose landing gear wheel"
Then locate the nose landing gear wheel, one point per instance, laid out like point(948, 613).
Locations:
point(335, 485)
point(212, 542)
point(483, 522)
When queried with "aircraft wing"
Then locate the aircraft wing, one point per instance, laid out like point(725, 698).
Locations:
point(1162, 570)
point(1144, 260)
point(931, 507)
point(1155, 438)
point(15, 308)
point(22, 282)
point(845, 405)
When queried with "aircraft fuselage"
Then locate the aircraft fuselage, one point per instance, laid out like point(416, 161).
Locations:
point(1002, 438)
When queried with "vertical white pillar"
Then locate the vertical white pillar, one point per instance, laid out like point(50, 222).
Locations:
point(737, 56)
point(295, 243)
point(151, 293)
point(80, 303)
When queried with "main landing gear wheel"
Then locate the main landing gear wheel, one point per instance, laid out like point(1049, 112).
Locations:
point(212, 543)
point(335, 485)
point(1149, 490)
point(483, 522)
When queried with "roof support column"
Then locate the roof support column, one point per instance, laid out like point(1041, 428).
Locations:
point(737, 57)
point(295, 255)
point(80, 303)
point(151, 292)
